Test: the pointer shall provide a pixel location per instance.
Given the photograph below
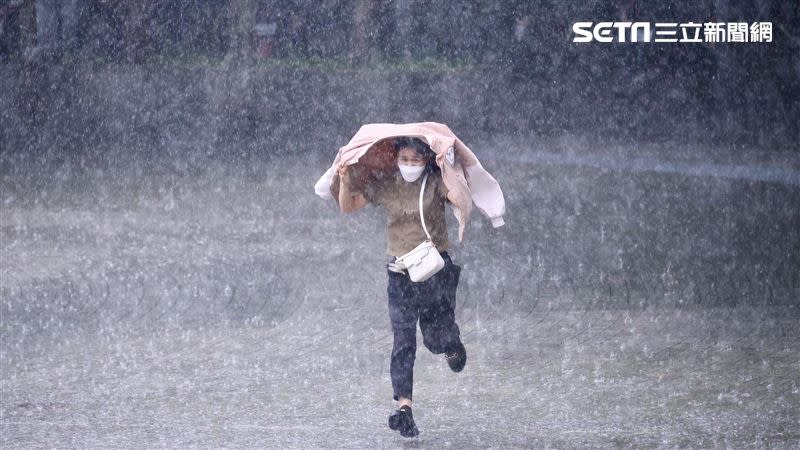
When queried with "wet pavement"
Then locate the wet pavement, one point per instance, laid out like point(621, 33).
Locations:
point(618, 307)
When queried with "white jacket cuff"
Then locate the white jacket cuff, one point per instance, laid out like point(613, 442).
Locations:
point(486, 193)
point(498, 222)
point(323, 186)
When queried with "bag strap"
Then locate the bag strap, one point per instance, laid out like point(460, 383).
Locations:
point(421, 211)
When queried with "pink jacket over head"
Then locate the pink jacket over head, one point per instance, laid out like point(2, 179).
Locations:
point(370, 150)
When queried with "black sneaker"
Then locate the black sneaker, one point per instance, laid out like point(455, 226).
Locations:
point(457, 359)
point(403, 420)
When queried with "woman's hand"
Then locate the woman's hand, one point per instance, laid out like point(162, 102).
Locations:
point(344, 174)
point(348, 202)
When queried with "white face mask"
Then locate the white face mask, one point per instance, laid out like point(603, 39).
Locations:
point(410, 173)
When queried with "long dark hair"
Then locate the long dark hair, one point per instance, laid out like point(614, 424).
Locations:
point(420, 147)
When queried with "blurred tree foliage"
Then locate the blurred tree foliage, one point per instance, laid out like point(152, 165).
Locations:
point(518, 34)
point(529, 41)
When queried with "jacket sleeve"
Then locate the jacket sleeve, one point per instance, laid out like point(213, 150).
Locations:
point(486, 194)
point(323, 186)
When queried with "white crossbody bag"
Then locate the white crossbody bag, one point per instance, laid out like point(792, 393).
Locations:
point(424, 261)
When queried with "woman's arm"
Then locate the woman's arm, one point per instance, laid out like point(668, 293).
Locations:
point(348, 201)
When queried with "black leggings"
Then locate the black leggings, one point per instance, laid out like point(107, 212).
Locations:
point(433, 302)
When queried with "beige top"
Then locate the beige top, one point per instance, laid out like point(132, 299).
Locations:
point(401, 199)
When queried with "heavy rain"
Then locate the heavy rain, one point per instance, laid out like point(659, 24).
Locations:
point(170, 278)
